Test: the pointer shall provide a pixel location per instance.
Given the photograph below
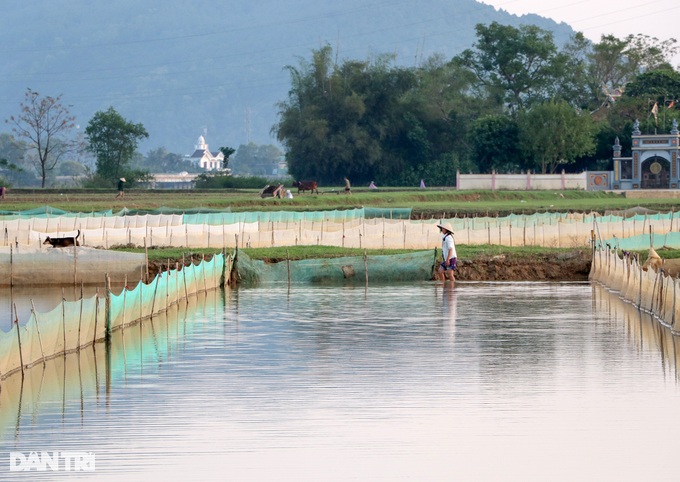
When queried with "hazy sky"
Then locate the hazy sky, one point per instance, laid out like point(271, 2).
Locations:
point(656, 18)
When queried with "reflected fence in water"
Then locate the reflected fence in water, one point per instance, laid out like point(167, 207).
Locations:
point(642, 328)
point(73, 377)
point(651, 291)
point(73, 325)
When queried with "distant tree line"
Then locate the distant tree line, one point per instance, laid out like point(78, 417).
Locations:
point(106, 151)
point(512, 102)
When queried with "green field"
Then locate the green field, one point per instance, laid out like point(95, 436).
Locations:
point(423, 202)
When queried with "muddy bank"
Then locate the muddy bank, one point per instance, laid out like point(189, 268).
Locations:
point(571, 266)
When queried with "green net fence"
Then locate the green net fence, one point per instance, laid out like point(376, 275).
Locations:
point(415, 266)
point(91, 370)
point(651, 291)
point(369, 228)
point(74, 324)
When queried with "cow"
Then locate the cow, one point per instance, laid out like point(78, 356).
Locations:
point(306, 186)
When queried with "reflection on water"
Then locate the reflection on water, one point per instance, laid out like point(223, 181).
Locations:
point(43, 298)
point(480, 382)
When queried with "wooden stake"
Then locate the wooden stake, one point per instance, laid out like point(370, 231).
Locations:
point(146, 259)
point(80, 320)
point(96, 313)
point(37, 325)
point(63, 316)
point(366, 266)
point(107, 288)
point(21, 356)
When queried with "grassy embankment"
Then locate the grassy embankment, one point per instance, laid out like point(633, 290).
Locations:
point(426, 202)
point(429, 203)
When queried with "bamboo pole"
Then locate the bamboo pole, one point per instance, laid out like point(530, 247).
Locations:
point(37, 325)
point(288, 266)
point(80, 319)
point(184, 277)
point(146, 259)
point(125, 290)
point(155, 290)
point(205, 286)
point(107, 288)
point(96, 314)
point(366, 267)
point(21, 355)
point(63, 316)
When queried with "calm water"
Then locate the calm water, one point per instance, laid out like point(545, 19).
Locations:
point(482, 382)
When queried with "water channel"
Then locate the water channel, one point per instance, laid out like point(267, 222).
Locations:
point(485, 381)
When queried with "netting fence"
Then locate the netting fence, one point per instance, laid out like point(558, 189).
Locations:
point(416, 266)
point(652, 291)
point(76, 324)
point(350, 228)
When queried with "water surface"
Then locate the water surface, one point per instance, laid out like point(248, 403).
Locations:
point(486, 381)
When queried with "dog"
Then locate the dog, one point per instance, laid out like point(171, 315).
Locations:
point(671, 267)
point(63, 242)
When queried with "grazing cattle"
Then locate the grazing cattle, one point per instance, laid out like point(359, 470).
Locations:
point(671, 267)
point(63, 242)
point(306, 186)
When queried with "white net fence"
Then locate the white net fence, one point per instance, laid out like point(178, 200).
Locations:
point(566, 231)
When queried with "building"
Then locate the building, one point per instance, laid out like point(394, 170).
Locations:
point(210, 161)
point(653, 163)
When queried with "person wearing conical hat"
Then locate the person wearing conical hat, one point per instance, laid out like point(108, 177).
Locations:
point(449, 256)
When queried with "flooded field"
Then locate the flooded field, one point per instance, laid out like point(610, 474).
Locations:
point(486, 381)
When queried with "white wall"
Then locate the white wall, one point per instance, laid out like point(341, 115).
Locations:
point(520, 182)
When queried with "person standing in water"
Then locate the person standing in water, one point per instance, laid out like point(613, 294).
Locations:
point(449, 256)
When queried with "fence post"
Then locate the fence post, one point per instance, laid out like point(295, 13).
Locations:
point(366, 267)
point(21, 356)
point(80, 319)
point(107, 287)
point(37, 325)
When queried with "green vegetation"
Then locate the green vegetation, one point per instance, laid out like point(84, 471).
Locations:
point(513, 101)
point(113, 140)
point(314, 252)
point(423, 202)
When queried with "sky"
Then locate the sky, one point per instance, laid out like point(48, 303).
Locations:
point(656, 18)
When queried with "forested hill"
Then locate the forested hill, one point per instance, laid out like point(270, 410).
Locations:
point(216, 67)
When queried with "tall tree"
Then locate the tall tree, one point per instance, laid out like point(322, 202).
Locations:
point(495, 144)
point(113, 140)
point(653, 98)
point(45, 124)
point(516, 65)
point(226, 152)
point(554, 133)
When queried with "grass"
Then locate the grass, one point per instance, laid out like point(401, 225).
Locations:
point(430, 202)
point(315, 252)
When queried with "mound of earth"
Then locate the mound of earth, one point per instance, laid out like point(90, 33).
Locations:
point(572, 266)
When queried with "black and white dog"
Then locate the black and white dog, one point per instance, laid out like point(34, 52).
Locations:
point(63, 242)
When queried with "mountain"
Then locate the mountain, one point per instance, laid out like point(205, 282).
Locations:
point(216, 68)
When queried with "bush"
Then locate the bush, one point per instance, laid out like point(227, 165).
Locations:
point(223, 181)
